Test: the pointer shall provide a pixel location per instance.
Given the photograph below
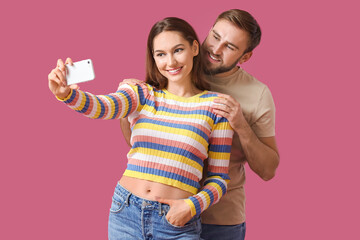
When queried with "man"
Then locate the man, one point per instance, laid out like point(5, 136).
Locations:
point(249, 107)
point(250, 111)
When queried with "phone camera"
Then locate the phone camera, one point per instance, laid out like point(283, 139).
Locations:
point(88, 62)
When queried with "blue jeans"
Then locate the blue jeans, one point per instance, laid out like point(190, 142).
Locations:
point(132, 217)
point(223, 232)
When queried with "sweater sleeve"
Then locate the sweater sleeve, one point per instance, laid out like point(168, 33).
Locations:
point(215, 185)
point(126, 100)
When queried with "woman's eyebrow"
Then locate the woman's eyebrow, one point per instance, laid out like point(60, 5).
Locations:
point(176, 46)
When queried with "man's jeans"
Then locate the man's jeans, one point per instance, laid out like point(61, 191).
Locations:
point(132, 217)
point(223, 232)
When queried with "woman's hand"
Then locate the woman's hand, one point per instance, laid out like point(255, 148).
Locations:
point(179, 213)
point(57, 80)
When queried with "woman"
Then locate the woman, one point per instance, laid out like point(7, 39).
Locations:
point(174, 131)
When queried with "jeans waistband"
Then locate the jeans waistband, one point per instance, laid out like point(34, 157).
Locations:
point(143, 203)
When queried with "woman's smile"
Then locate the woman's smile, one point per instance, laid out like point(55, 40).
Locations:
point(174, 57)
point(175, 71)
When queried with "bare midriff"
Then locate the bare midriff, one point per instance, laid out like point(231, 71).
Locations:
point(150, 190)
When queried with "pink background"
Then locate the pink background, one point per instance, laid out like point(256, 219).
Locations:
point(58, 169)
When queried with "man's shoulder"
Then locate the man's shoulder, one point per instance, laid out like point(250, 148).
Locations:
point(247, 79)
point(240, 83)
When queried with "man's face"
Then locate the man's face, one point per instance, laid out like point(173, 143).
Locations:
point(224, 48)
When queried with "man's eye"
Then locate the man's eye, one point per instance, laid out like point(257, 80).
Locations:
point(230, 47)
point(216, 37)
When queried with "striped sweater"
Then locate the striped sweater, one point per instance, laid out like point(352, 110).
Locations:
point(171, 138)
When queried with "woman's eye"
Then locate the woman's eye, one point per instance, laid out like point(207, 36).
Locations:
point(160, 54)
point(178, 50)
point(216, 37)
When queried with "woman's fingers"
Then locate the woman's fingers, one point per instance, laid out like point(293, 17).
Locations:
point(60, 75)
point(54, 79)
point(57, 81)
point(53, 76)
point(60, 64)
point(74, 86)
point(54, 82)
point(69, 61)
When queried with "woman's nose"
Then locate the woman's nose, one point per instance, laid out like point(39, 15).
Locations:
point(172, 61)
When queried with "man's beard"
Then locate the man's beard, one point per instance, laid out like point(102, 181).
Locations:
point(220, 69)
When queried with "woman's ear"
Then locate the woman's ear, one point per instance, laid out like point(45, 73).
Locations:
point(195, 48)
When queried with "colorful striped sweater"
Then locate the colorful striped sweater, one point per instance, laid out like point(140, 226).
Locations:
point(171, 138)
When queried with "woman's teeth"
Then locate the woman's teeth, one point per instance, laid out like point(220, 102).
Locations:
point(174, 70)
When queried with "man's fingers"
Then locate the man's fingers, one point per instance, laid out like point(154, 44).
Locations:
point(222, 107)
point(227, 97)
point(221, 95)
point(227, 101)
point(232, 105)
point(132, 81)
point(221, 113)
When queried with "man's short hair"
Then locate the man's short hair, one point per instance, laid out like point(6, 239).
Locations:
point(244, 21)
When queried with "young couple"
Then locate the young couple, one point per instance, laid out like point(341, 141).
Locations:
point(177, 124)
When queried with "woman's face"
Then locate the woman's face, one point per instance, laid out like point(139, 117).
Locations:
point(174, 56)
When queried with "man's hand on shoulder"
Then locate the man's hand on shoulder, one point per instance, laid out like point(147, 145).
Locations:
point(131, 81)
point(261, 153)
point(226, 106)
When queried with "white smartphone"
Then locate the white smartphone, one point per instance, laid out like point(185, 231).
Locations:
point(79, 72)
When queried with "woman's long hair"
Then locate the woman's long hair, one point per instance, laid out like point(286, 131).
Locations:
point(153, 76)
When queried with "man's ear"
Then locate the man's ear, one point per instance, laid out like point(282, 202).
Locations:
point(195, 48)
point(245, 57)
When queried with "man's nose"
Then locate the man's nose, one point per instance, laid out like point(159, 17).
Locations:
point(217, 49)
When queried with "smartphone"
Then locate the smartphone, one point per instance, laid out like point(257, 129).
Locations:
point(79, 72)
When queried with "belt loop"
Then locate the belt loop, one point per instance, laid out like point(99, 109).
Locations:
point(160, 210)
point(127, 199)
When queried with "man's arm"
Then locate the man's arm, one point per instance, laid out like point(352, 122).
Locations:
point(126, 131)
point(261, 153)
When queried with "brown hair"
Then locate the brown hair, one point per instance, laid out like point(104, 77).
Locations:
point(244, 21)
point(153, 76)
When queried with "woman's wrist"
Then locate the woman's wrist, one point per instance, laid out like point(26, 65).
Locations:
point(64, 95)
point(190, 201)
